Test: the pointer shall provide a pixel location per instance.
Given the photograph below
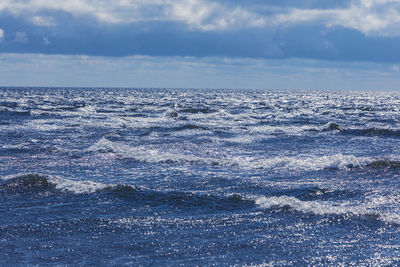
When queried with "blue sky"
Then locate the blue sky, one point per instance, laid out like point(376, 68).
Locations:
point(309, 44)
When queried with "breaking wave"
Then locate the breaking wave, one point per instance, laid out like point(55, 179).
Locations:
point(39, 185)
point(142, 153)
point(23, 183)
point(317, 201)
point(325, 208)
point(337, 161)
point(152, 154)
point(372, 131)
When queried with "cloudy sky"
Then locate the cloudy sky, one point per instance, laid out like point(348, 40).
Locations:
point(308, 44)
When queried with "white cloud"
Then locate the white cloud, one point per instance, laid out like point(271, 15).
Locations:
point(371, 17)
point(43, 21)
point(203, 15)
point(208, 16)
point(1, 35)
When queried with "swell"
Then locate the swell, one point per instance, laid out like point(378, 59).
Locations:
point(184, 127)
point(372, 131)
point(181, 200)
point(37, 183)
point(40, 185)
point(194, 110)
point(28, 148)
point(27, 183)
point(15, 113)
point(317, 193)
point(154, 155)
point(313, 200)
point(346, 209)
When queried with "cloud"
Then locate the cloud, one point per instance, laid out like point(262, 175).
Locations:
point(43, 21)
point(191, 72)
point(197, 14)
point(344, 30)
point(371, 17)
point(20, 37)
point(208, 16)
point(1, 34)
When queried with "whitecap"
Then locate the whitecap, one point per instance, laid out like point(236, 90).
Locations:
point(62, 184)
point(328, 207)
point(153, 154)
point(337, 161)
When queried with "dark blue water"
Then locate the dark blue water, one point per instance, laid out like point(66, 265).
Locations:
point(199, 177)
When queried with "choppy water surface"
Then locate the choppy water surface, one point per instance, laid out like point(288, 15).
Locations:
point(199, 177)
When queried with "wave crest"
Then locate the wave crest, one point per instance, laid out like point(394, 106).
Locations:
point(32, 182)
point(40, 185)
point(324, 208)
point(372, 131)
point(338, 161)
point(27, 182)
point(153, 155)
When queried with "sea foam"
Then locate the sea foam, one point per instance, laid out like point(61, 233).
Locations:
point(317, 207)
point(62, 184)
point(154, 154)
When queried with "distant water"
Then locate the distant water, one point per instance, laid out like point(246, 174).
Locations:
point(170, 177)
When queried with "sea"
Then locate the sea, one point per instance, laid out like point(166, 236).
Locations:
point(199, 177)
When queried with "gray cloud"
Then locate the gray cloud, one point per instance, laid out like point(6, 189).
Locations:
point(339, 30)
point(371, 17)
point(197, 14)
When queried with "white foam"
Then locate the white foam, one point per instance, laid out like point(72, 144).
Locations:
point(337, 161)
point(103, 145)
point(77, 187)
point(153, 154)
point(273, 130)
point(316, 207)
point(328, 207)
point(143, 153)
point(63, 184)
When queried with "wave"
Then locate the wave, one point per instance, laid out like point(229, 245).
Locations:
point(331, 162)
point(151, 154)
point(28, 147)
point(331, 127)
point(43, 185)
point(32, 182)
point(317, 193)
point(205, 110)
point(143, 153)
point(40, 185)
point(188, 127)
point(334, 162)
point(181, 199)
point(15, 113)
point(299, 130)
point(325, 208)
point(372, 131)
point(9, 104)
point(384, 164)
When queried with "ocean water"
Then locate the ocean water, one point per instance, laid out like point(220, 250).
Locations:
point(168, 177)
